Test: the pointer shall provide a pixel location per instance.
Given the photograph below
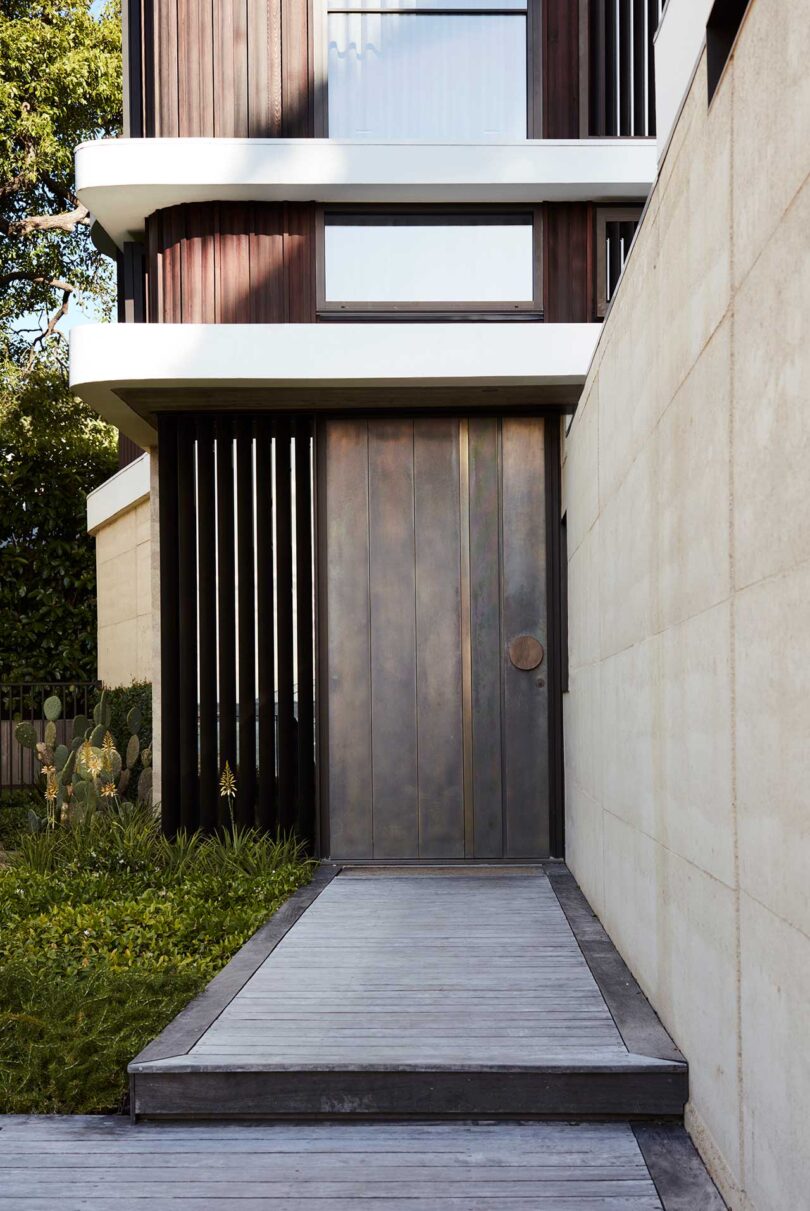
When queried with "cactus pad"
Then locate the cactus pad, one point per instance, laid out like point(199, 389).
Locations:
point(52, 708)
point(134, 720)
point(133, 748)
point(26, 735)
point(145, 787)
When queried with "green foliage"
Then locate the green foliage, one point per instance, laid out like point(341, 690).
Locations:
point(53, 451)
point(14, 808)
point(60, 85)
point(65, 1043)
point(106, 930)
point(130, 714)
point(76, 781)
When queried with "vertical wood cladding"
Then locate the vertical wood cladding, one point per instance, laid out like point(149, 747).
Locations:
point(231, 263)
point(568, 286)
point(560, 69)
point(220, 68)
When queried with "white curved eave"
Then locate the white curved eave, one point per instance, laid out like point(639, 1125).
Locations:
point(107, 358)
point(122, 181)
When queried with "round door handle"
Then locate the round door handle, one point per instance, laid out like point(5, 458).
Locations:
point(526, 652)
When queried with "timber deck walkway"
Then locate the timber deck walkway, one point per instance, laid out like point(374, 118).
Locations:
point(97, 1164)
point(418, 993)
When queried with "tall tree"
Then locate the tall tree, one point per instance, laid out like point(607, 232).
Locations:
point(60, 83)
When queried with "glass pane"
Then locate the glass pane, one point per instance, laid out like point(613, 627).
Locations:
point(342, 6)
point(424, 76)
point(427, 262)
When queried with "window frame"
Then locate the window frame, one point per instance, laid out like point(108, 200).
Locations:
point(534, 62)
point(484, 309)
point(604, 215)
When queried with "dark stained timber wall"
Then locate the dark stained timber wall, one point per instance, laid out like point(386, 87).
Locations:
point(219, 68)
point(568, 286)
point(231, 263)
point(237, 642)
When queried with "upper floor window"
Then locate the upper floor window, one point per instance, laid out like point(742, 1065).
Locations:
point(431, 260)
point(452, 70)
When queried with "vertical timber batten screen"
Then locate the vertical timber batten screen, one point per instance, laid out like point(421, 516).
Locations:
point(620, 72)
point(237, 642)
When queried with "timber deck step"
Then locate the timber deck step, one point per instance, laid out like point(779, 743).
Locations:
point(91, 1163)
point(407, 994)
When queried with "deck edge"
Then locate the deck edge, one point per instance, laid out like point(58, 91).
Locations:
point(636, 1020)
point(677, 1170)
point(191, 1023)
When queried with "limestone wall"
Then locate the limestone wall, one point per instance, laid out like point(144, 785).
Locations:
point(687, 490)
point(124, 575)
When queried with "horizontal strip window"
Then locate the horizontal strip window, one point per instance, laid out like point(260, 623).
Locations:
point(424, 71)
point(423, 261)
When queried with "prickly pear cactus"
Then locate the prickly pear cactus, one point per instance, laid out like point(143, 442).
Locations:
point(52, 708)
point(133, 749)
point(26, 735)
point(145, 786)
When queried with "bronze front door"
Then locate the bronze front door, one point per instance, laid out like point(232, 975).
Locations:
point(434, 685)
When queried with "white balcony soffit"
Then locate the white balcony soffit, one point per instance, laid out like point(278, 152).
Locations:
point(137, 360)
point(122, 181)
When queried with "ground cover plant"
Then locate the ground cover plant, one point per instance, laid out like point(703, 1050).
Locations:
point(107, 929)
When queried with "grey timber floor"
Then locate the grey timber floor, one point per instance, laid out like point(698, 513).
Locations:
point(418, 971)
point(90, 1164)
point(415, 994)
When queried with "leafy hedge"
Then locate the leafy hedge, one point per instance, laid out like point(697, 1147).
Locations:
point(106, 930)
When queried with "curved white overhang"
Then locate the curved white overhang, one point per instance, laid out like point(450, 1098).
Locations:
point(121, 181)
point(129, 371)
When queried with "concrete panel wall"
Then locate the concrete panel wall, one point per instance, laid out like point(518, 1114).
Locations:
point(124, 575)
point(687, 490)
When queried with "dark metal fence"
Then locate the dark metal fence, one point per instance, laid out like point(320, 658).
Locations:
point(19, 767)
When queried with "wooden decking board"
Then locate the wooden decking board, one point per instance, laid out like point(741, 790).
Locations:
point(455, 994)
point(89, 1163)
point(446, 940)
point(383, 1167)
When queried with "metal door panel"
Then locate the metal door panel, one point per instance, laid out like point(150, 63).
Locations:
point(485, 636)
point(525, 699)
point(434, 535)
point(347, 686)
point(438, 629)
point(392, 581)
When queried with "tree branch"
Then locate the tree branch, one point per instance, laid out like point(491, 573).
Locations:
point(50, 330)
point(69, 220)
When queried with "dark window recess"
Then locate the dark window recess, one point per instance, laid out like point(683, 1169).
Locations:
point(724, 22)
point(620, 67)
point(615, 229)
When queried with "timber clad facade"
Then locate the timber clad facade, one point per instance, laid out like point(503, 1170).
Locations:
point(360, 601)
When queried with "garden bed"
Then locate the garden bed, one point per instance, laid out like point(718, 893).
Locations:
point(106, 931)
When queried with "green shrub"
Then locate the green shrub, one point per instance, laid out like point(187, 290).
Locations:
point(14, 808)
point(106, 930)
point(122, 698)
point(65, 1043)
